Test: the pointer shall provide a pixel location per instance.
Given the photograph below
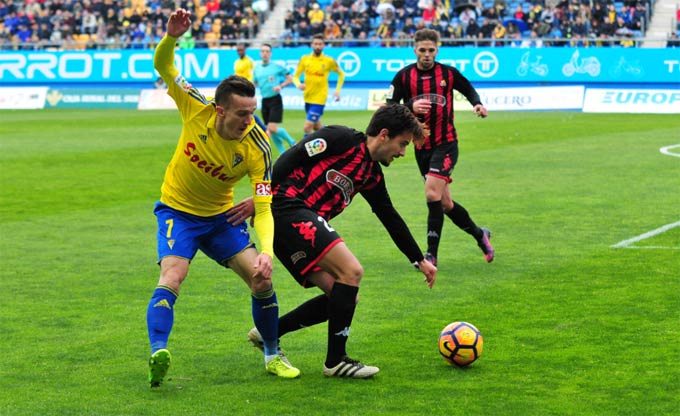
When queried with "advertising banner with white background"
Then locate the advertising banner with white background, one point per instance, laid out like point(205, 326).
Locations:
point(611, 100)
point(22, 98)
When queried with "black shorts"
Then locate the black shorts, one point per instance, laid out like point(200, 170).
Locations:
point(301, 239)
point(438, 162)
point(272, 109)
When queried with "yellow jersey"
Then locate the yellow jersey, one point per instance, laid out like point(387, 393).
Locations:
point(205, 167)
point(244, 67)
point(316, 70)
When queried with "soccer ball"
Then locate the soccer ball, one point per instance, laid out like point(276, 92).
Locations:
point(460, 343)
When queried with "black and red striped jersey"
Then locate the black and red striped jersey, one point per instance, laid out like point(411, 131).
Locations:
point(437, 85)
point(324, 171)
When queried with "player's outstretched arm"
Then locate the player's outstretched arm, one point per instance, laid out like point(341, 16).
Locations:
point(164, 56)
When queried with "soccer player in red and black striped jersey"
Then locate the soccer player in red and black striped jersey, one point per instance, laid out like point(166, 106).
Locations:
point(314, 181)
point(427, 88)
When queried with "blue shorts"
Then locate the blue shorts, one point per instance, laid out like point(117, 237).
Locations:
point(314, 111)
point(182, 235)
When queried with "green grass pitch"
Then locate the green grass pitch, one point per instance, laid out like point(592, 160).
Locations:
point(572, 324)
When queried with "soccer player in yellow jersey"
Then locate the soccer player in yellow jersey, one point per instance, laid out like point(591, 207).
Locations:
point(220, 143)
point(244, 65)
point(316, 68)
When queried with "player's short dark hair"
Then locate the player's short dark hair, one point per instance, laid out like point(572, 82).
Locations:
point(397, 119)
point(233, 85)
point(426, 34)
point(319, 36)
point(267, 45)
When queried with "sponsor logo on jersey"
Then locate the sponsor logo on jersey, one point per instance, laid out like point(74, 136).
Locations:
point(204, 165)
point(316, 146)
point(182, 83)
point(432, 98)
point(341, 181)
point(263, 189)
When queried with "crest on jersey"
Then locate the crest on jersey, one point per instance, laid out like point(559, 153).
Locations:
point(316, 146)
point(443, 84)
point(238, 158)
point(203, 137)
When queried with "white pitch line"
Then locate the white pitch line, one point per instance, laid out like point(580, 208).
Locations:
point(654, 247)
point(626, 243)
point(666, 150)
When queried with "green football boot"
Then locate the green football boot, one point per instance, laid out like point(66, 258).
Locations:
point(158, 367)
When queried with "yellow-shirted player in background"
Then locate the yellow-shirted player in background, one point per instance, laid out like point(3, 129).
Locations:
point(220, 143)
point(316, 68)
point(244, 65)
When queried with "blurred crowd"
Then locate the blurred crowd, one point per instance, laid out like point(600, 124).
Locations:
point(122, 24)
point(136, 24)
point(532, 23)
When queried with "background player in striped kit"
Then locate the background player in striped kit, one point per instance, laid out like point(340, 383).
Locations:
point(426, 87)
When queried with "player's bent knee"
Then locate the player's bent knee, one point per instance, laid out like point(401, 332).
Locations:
point(260, 285)
point(351, 275)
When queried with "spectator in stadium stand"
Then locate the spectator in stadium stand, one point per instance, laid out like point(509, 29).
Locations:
point(303, 30)
point(473, 31)
point(332, 32)
point(228, 31)
point(427, 87)
point(534, 41)
point(409, 28)
point(673, 41)
point(608, 29)
point(222, 138)
point(534, 14)
point(289, 21)
point(595, 29)
point(467, 15)
point(429, 14)
point(499, 33)
point(486, 31)
point(579, 27)
point(315, 15)
point(411, 7)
